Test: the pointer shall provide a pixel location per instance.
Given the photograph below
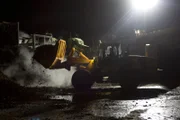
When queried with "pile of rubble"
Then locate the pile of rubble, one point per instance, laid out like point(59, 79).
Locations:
point(13, 92)
point(8, 89)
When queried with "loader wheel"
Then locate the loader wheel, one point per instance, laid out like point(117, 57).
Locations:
point(82, 80)
point(129, 80)
point(170, 79)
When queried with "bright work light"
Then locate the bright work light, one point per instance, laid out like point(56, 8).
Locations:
point(144, 5)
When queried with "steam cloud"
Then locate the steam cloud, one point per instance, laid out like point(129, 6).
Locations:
point(27, 72)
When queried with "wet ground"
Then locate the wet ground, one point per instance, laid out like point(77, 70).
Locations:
point(104, 102)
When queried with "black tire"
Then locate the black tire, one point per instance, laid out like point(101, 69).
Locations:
point(170, 79)
point(128, 80)
point(171, 82)
point(82, 80)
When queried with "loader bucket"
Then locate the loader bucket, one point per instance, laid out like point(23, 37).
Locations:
point(45, 55)
point(49, 55)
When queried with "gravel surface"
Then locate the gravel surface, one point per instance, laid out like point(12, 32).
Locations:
point(143, 104)
point(103, 102)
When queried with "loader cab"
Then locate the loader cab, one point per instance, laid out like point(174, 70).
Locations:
point(110, 50)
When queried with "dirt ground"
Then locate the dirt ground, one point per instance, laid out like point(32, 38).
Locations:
point(102, 103)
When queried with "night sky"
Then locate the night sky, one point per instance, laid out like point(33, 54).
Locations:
point(91, 19)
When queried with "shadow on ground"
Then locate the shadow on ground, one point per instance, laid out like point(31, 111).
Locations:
point(117, 94)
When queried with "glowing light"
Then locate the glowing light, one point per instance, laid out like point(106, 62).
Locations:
point(144, 5)
point(148, 45)
point(105, 78)
point(137, 31)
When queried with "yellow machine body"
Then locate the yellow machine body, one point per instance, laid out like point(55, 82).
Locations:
point(83, 61)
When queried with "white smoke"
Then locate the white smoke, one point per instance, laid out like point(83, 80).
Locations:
point(27, 72)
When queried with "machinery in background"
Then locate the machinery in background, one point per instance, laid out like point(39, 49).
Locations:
point(35, 40)
point(11, 38)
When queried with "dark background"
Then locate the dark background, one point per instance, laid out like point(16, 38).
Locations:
point(91, 19)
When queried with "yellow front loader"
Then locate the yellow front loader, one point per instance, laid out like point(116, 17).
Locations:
point(54, 57)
